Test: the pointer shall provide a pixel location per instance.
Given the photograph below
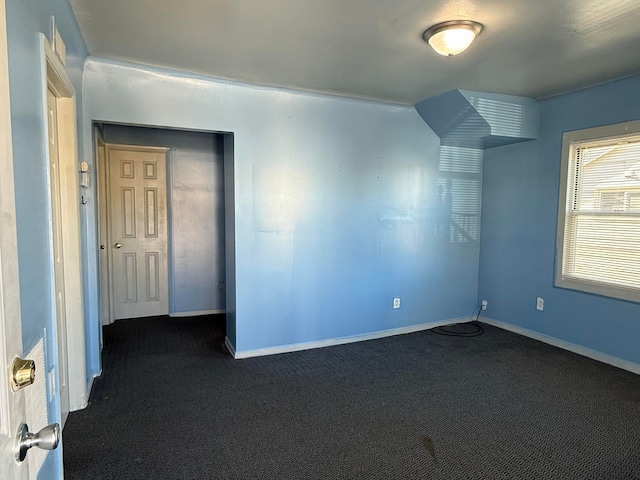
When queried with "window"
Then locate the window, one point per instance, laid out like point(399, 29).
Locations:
point(599, 213)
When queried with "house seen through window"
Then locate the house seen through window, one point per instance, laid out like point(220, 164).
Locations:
point(599, 217)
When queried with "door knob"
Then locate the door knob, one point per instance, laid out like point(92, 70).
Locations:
point(23, 372)
point(47, 439)
point(117, 245)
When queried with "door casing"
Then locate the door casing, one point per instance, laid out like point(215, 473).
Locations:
point(57, 241)
point(58, 81)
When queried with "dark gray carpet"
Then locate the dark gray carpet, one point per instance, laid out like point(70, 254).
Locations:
point(172, 404)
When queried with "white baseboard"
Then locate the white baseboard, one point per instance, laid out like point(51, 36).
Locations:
point(80, 404)
point(572, 347)
point(296, 347)
point(196, 313)
point(83, 401)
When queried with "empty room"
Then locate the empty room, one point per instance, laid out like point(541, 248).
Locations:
point(306, 240)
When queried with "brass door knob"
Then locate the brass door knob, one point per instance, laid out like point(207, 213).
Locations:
point(23, 373)
point(117, 245)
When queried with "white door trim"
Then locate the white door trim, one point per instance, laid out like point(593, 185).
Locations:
point(136, 148)
point(56, 177)
point(60, 84)
point(100, 152)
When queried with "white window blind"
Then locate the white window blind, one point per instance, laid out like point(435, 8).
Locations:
point(600, 214)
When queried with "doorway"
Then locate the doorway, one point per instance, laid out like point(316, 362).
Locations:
point(192, 199)
point(57, 229)
point(137, 230)
point(67, 287)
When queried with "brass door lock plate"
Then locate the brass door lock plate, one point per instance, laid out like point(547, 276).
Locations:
point(23, 373)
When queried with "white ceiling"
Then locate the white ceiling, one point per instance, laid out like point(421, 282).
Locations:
point(373, 48)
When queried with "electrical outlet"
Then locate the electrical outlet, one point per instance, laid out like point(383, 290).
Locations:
point(396, 302)
point(540, 303)
point(484, 304)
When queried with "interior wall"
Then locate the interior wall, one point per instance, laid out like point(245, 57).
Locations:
point(196, 213)
point(25, 20)
point(230, 237)
point(519, 215)
point(336, 204)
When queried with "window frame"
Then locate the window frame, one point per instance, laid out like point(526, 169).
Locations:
point(570, 140)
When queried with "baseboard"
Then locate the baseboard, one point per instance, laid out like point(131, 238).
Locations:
point(230, 347)
point(84, 398)
point(296, 347)
point(196, 313)
point(82, 404)
point(572, 347)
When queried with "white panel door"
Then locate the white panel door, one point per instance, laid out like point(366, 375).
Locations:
point(58, 254)
point(138, 224)
point(12, 404)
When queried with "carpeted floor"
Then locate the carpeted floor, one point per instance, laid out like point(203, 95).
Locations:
point(172, 404)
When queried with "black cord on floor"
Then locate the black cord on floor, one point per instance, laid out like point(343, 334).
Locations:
point(474, 333)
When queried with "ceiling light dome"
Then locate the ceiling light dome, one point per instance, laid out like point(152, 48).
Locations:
point(452, 37)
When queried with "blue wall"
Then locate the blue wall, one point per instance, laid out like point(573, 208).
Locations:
point(25, 18)
point(230, 236)
point(519, 215)
point(196, 213)
point(335, 204)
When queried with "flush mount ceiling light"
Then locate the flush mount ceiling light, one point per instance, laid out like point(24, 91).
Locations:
point(452, 37)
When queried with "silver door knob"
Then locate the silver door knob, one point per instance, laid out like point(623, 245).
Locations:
point(47, 439)
point(117, 245)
